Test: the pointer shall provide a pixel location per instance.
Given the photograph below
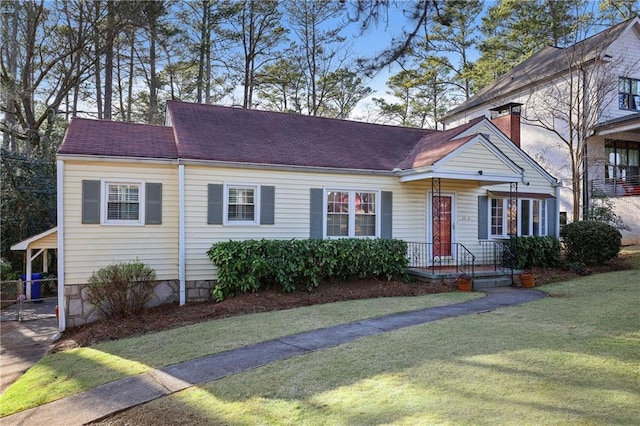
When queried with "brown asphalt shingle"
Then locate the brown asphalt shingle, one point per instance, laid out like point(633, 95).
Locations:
point(118, 139)
point(207, 132)
point(224, 134)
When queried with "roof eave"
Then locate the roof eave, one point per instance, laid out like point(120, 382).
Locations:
point(116, 159)
point(284, 167)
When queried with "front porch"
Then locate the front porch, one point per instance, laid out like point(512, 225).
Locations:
point(488, 266)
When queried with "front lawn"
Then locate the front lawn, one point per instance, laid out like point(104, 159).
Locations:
point(69, 372)
point(572, 358)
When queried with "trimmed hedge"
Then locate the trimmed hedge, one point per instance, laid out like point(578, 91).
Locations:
point(590, 242)
point(247, 266)
point(542, 252)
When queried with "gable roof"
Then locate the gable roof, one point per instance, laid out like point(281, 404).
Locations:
point(544, 64)
point(118, 139)
point(216, 133)
point(435, 146)
point(235, 136)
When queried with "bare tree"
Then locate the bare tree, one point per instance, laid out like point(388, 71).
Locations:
point(47, 69)
point(573, 104)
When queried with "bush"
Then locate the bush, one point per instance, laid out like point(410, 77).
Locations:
point(542, 252)
point(590, 242)
point(121, 289)
point(247, 266)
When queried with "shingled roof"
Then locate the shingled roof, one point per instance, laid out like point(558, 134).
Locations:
point(207, 132)
point(118, 139)
point(544, 64)
point(234, 135)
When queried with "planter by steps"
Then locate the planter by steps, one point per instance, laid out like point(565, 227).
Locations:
point(464, 283)
point(528, 280)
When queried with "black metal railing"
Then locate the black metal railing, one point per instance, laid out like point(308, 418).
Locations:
point(501, 254)
point(453, 257)
point(492, 252)
point(616, 187)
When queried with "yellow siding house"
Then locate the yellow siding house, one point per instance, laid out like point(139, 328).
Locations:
point(165, 194)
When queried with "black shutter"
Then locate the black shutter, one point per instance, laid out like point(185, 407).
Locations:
point(317, 216)
point(153, 204)
point(214, 204)
point(91, 201)
point(267, 205)
point(483, 217)
point(386, 220)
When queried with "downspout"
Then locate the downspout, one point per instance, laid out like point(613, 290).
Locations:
point(62, 309)
point(557, 213)
point(181, 236)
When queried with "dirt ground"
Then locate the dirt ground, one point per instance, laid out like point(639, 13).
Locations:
point(172, 315)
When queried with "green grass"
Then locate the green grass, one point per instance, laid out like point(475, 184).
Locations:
point(571, 358)
point(631, 255)
point(70, 372)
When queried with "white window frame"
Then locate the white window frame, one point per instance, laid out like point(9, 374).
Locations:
point(352, 212)
point(105, 183)
point(542, 215)
point(256, 205)
point(628, 95)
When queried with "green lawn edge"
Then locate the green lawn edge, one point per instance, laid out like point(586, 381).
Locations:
point(73, 371)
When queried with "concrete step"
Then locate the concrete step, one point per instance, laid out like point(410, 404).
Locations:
point(488, 282)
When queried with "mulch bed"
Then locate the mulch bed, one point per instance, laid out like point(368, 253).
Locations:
point(171, 315)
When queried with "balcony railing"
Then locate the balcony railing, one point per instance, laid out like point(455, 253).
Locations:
point(616, 187)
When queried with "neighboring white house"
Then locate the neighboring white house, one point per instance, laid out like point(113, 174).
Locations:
point(594, 84)
point(165, 194)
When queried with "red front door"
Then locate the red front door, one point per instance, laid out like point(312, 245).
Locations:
point(441, 225)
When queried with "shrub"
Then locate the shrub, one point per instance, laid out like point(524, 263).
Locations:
point(247, 266)
point(590, 242)
point(542, 252)
point(121, 289)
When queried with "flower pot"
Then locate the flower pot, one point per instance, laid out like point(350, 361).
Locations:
point(527, 280)
point(464, 284)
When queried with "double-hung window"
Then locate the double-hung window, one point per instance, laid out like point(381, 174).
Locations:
point(527, 217)
point(502, 212)
point(629, 93)
point(241, 204)
point(123, 203)
point(351, 213)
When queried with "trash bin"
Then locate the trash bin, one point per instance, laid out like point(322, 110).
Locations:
point(35, 286)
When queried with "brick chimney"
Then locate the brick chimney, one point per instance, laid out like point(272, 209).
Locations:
point(507, 119)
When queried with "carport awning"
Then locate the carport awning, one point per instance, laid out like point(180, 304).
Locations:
point(46, 240)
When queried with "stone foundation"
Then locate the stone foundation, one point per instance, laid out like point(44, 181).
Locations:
point(79, 311)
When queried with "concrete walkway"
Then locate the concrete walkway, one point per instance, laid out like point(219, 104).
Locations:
point(112, 397)
point(25, 342)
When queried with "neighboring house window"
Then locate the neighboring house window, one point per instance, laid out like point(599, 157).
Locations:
point(351, 213)
point(123, 203)
point(241, 204)
point(531, 217)
point(629, 93)
point(623, 161)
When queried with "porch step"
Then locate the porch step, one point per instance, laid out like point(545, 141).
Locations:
point(488, 282)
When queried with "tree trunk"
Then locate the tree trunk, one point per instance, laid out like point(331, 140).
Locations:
point(97, 65)
point(108, 61)
point(10, 28)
